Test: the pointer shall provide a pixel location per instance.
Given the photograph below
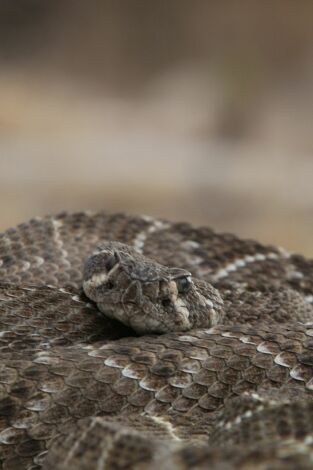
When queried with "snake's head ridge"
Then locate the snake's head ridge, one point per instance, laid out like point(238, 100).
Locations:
point(147, 296)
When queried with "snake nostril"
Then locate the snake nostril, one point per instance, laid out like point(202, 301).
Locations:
point(109, 285)
point(166, 302)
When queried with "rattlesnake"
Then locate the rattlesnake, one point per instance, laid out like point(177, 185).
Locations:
point(217, 374)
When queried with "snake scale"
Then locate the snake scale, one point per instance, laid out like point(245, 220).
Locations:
point(132, 342)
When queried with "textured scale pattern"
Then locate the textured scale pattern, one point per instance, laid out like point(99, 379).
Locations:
point(81, 391)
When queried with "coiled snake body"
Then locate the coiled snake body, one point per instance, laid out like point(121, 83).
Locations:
point(131, 342)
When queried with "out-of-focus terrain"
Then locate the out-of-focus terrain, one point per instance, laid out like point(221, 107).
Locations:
point(200, 111)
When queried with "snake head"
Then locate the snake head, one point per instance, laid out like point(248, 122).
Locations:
point(147, 296)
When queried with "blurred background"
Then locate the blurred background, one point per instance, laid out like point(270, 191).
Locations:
point(191, 110)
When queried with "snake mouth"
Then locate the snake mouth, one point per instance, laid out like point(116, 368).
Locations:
point(147, 308)
point(148, 316)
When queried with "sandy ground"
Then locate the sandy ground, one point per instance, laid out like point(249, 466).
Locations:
point(65, 147)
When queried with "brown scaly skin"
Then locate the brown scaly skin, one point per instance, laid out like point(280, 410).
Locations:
point(79, 390)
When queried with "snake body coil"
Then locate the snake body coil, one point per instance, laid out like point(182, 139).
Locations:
point(132, 342)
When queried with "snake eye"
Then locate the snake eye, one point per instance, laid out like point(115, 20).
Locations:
point(183, 284)
point(166, 302)
point(111, 262)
